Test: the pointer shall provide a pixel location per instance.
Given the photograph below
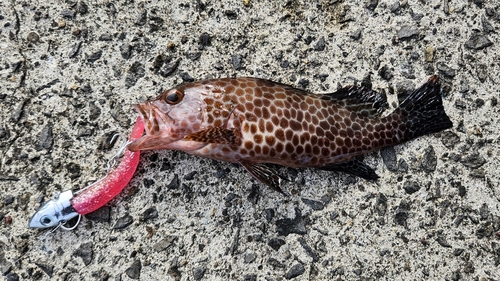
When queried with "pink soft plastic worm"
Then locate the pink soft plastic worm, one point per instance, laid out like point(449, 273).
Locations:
point(101, 192)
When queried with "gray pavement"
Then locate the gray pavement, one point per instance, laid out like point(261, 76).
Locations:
point(70, 72)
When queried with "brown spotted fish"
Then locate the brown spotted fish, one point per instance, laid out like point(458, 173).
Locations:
point(253, 122)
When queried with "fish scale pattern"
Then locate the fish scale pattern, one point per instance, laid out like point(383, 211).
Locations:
point(283, 125)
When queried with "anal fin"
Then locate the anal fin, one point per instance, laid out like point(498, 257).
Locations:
point(264, 174)
point(353, 167)
point(215, 135)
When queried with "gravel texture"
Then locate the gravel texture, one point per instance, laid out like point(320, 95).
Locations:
point(71, 70)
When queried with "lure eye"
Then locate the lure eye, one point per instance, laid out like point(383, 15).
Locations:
point(46, 220)
point(175, 97)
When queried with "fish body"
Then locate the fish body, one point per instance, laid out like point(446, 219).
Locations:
point(253, 121)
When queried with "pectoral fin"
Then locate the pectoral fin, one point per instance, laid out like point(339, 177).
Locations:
point(264, 174)
point(216, 135)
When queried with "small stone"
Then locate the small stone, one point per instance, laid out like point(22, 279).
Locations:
point(429, 160)
point(411, 187)
point(33, 37)
point(295, 271)
point(478, 42)
point(48, 269)
point(385, 73)
point(12, 277)
point(142, 18)
point(429, 53)
point(303, 83)
point(249, 257)
point(269, 214)
point(407, 32)
point(487, 27)
point(199, 272)
point(46, 139)
point(469, 268)
point(442, 241)
point(276, 243)
point(82, 8)
point(250, 277)
point(296, 225)
point(445, 70)
point(401, 214)
point(231, 14)
point(186, 77)
point(126, 51)
point(134, 271)
point(175, 183)
point(313, 204)
point(389, 157)
point(102, 214)
point(474, 160)
point(190, 175)
point(395, 7)
point(85, 252)
point(449, 139)
point(9, 199)
point(124, 222)
point(204, 40)
point(236, 61)
point(164, 243)
point(155, 23)
point(458, 252)
point(371, 5)
point(67, 13)
point(135, 72)
point(94, 56)
point(308, 249)
point(484, 211)
point(356, 35)
point(105, 37)
point(169, 68)
point(320, 45)
point(150, 213)
point(74, 49)
point(74, 170)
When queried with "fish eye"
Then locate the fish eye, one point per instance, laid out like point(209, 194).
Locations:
point(46, 220)
point(175, 97)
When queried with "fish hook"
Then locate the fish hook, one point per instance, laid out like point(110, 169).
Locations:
point(112, 162)
point(62, 224)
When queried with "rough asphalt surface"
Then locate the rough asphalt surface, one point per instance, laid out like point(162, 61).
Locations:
point(71, 70)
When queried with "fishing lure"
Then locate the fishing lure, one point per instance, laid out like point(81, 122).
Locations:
point(58, 211)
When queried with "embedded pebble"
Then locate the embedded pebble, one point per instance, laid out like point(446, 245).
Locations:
point(123, 222)
point(86, 252)
point(407, 32)
point(199, 272)
point(389, 156)
point(411, 187)
point(296, 270)
point(478, 42)
point(134, 271)
point(150, 213)
point(46, 139)
point(429, 160)
point(296, 225)
point(102, 214)
point(48, 269)
point(313, 204)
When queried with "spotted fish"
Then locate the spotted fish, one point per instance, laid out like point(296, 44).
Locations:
point(255, 122)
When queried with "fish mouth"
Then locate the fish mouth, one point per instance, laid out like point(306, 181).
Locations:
point(156, 125)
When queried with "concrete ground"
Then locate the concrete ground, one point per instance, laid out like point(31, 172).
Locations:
point(70, 72)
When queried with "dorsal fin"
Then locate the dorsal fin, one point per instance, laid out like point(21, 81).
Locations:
point(360, 99)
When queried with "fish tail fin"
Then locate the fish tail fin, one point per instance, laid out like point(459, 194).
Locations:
point(422, 112)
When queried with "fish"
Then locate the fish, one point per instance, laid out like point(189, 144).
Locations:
point(256, 122)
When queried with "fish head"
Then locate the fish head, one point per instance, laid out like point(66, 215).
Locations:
point(177, 113)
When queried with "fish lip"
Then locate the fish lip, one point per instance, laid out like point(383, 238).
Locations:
point(156, 124)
